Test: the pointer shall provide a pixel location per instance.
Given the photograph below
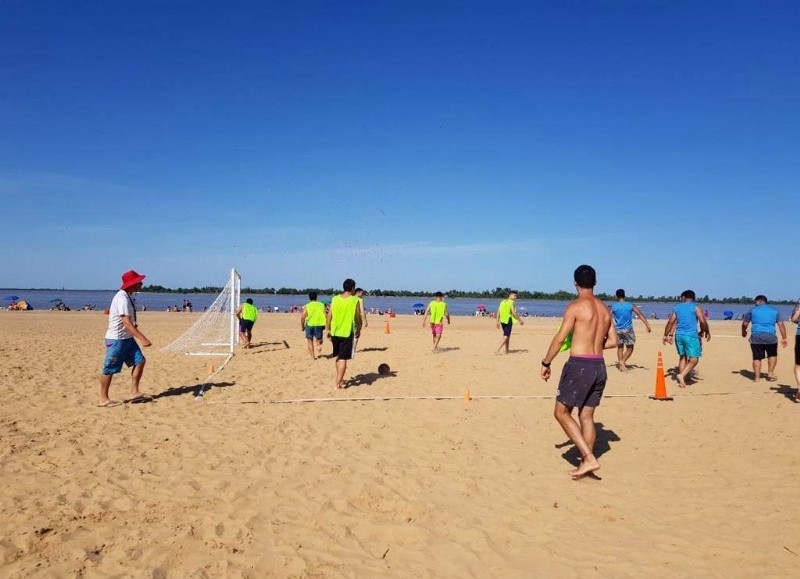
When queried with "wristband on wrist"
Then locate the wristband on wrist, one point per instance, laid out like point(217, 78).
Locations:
point(546, 364)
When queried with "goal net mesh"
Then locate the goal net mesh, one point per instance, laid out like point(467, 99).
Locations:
point(215, 332)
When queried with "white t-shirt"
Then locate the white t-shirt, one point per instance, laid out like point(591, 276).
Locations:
point(121, 305)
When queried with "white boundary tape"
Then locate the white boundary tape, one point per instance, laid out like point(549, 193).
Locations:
point(478, 397)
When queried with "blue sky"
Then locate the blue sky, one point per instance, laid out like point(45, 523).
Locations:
point(416, 145)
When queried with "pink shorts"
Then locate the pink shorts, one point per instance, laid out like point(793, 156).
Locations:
point(436, 329)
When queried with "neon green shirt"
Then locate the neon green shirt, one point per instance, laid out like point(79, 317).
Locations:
point(504, 311)
point(343, 316)
point(315, 314)
point(249, 312)
point(437, 310)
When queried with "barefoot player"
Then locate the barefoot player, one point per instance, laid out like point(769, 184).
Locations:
point(682, 325)
point(343, 325)
point(584, 376)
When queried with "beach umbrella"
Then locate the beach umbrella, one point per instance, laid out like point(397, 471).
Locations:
point(11, 298)
point(418, 305)
point(480, 307)
point(56, 301)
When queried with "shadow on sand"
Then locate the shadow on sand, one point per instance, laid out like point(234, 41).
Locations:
point(629, 366)
point(193, 390)
point(263, 347)
point(788, 391)
point(442, 350)
point(374, 349)
point(749, 374)
point(601, 445)
point(367, 379)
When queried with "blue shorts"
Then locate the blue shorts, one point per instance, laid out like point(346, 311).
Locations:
point(120, 352)
point(688, 345)
point(245, 325)
point(314, 332)
point(507, 328)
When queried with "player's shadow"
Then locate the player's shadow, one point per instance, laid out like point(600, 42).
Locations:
point(194, 389)
point(749, 374)
point(368, 379)
point(518, 351)
point(601, 445)
point(787, 391)
point(263, 347)
point(374, 349)
point(450, 349)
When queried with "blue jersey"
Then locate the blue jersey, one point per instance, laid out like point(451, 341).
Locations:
point(687, 318)
point(623, 315)
point(764, 318)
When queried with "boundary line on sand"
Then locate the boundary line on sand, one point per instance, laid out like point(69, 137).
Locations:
point(477, 397)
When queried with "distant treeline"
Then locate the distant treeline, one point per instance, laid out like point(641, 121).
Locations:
point(497, 293)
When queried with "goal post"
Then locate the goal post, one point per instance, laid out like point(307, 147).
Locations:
point(215, 332)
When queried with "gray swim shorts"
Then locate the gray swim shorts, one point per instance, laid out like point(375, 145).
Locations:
point(582, 382)
point(626, 337)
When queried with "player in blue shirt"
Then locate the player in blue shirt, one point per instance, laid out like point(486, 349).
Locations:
point(763, 340)
point(623, 313)
point(682, 325)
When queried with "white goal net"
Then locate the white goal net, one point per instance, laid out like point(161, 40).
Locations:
point(216, 331)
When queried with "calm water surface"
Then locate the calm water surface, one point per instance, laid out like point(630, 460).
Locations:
point(77, 299)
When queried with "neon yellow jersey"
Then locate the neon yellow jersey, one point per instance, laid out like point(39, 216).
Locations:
point(437, 311)
point(249, 312)
point(504, 311)
point(315, 314)
point(343, 316)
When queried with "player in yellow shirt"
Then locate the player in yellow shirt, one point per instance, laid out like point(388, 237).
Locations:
point(312, 322)
point(437, 310)
point(247, 314)
point(343, 326)
point(507, 317)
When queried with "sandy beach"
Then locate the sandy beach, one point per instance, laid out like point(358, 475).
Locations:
point(237, 484)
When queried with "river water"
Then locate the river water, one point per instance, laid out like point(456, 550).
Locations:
point(78, 299)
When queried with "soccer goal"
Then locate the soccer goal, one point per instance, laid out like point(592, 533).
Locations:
point(215, 332)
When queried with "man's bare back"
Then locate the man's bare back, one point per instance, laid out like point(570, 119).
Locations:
point(588, 321)
point(591, 326)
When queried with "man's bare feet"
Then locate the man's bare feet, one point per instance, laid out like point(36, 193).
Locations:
point(772, 378)
point(588, 464)
point(681, 382)
point(108, 403)
point(622, 367)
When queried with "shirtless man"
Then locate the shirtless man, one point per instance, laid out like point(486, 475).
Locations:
point(583, 379)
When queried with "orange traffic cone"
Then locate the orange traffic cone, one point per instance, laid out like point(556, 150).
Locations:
point(467, 397)
point(211, 368)
point(661, 386)
point(387, 329)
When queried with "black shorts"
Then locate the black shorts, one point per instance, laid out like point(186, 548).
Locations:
point(797, 350)
point(761, 351)
point(245, 325)
point(582, 382)
point(342, 347)
point(507, 328)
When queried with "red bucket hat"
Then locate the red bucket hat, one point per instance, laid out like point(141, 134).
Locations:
point(131, 278)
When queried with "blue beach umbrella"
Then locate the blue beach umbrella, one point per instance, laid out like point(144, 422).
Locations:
point(418, 305)
point(11, 298)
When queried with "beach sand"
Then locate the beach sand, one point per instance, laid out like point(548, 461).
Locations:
point(236, 485)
